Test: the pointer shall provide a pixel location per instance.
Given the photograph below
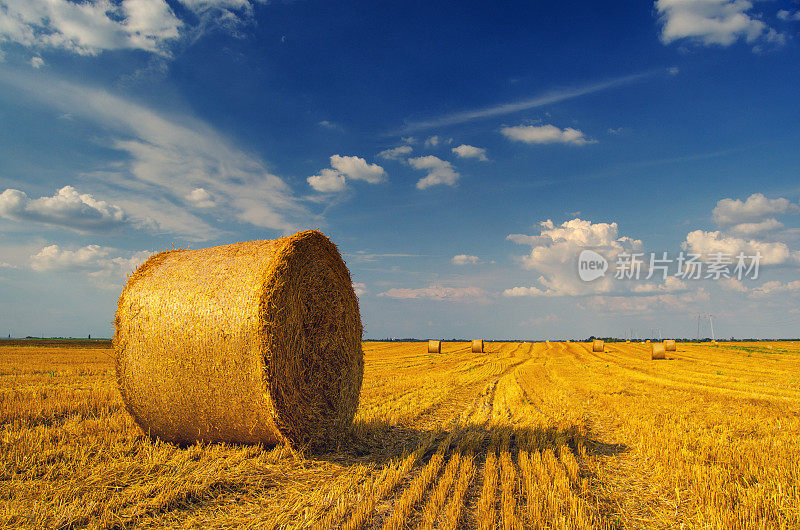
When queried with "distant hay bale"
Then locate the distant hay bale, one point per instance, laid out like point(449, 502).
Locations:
point(477, 346)
point(254, 342)
point(598, 345)
point(669, 345)
point(434, 346)
point(627, 342)
point(647, 341)
point(657, 350)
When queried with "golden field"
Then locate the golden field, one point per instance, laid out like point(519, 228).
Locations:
point(525, 435)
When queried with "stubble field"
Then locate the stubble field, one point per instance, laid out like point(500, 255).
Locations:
point(524, 435)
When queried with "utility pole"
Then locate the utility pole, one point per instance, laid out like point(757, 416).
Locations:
point(711, 323)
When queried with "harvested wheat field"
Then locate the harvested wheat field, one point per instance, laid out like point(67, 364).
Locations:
point(521, 435)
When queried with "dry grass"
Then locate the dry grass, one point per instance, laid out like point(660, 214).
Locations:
point(522, 436)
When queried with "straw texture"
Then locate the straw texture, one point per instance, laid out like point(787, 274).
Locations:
point(598, 345)
point(669, 345)
point(477, 346)
point(434, 346)
point(252, 342)
point(657, 350)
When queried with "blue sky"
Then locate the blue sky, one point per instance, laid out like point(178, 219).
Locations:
point(461, 156)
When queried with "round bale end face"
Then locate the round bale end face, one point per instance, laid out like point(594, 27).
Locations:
point(669, 345)
point(657, 350)
point(254, 342)
point(598, 346)
point(434, 346)
point(477, 346)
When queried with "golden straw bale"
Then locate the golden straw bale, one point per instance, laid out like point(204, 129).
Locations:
point(434, 346)
point(657, 350)
point(669, 345)
point(477, 346)
point(598, 345)
point(254, 342)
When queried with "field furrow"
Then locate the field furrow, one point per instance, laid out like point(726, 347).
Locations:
point(523, 435)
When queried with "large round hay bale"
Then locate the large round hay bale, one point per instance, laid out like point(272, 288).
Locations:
point(669, 345)
point(477, 346)
point(657, 350)
point(598, 345)
point(434, 346)
point(254, 342)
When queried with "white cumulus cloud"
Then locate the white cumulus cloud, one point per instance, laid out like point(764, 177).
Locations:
point(776, 287)
point(470, 151)
point(554, 254)
point(713, 22)
point(545, 134)
point(439, 171)
point(525, 291)
point(465, 259)
point(755, 209)
point(67, 208)
point(328, 181)
point(359, 288)
point(200, 198)
point(707, 243)
point(89, 27)
point(752, 229)
point(105, 266)
point(93, 26)
point(396, 153)
point(357, 168)
point(753, 217)
point(333, 179)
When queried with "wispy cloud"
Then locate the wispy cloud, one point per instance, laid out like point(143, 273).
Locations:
point(437, 292)
point(368, 257)
point(553, 96)
point(164, 159)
